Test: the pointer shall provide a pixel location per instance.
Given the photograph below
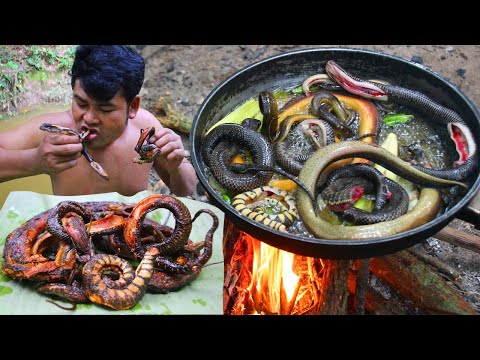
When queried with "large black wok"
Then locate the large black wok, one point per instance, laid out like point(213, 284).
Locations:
point(290, 69)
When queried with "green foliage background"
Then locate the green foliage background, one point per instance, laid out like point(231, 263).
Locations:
point(20, 63)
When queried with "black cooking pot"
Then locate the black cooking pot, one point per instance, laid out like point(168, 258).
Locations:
point(290, 69)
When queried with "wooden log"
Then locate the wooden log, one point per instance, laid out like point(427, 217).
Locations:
point(375, 303)
point(436, 263)
point(414, 280)
point(171, 118)
point(459, 238)
point(361, 286)
point(334, 295)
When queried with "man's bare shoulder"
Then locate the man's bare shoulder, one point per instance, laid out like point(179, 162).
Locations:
point(145, 118)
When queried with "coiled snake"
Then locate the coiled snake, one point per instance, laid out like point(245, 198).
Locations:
point(218, 157)
point(391, 200)
point(424, 211)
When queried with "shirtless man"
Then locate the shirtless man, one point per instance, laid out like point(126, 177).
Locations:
point(106, 81)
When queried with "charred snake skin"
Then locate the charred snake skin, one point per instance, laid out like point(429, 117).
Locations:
point(192, 265)
point(428, 106)
point(254, 142)
point(277, 221)
point(183, 225)
point(164, 282)
point(19, 261)
point(123, 293)
point(73, 293)
point(32, 252)
point(56, 228)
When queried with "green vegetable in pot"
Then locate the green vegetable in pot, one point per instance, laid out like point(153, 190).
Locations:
point(394, 119)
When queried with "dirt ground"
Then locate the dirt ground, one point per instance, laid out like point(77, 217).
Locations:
point(187, 73)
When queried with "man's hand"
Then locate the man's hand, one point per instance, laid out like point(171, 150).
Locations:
point(58, 153)
point(171, 148)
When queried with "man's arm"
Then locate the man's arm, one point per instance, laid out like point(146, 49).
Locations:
point(182, 180)
point(26, 150)
point(171, 165)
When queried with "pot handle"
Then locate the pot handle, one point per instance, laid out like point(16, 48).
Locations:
point(471, 212)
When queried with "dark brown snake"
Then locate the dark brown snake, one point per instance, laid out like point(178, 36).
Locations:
point(195, 264)
point(73, 293)
point(31, 252)
point(341, 181)
point(59, 227)
point(181, 233)
point(322, 106)
point(425, 209)
point(151, 232)
point(321, 133)
point(21, 261)
point(148, 152)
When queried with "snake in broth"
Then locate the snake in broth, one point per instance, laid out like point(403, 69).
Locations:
point(424, 211)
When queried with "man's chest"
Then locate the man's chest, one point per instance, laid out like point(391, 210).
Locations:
point(125, 177)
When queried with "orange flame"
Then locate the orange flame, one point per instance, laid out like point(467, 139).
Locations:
point(274, 285)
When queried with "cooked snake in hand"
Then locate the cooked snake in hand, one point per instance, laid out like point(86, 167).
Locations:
point(51, 128)
point(148, 152)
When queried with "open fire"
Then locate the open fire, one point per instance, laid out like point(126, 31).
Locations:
point(261, 279)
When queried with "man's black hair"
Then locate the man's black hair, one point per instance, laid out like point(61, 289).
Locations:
point(105, 69)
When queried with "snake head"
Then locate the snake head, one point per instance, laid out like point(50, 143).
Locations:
point(353, 84)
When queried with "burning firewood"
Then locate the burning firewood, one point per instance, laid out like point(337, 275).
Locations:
point(335, 291)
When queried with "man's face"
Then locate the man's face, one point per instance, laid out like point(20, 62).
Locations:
point(106, 120)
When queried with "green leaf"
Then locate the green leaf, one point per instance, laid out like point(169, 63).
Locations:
point(298, 90)
point(249, 109)
point(226, 198)
point(364, 204)
point(394, 119)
